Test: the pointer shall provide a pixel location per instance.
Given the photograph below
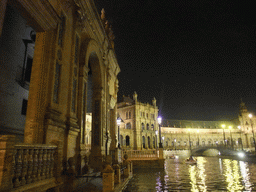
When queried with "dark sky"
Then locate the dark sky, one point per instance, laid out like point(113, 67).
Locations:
point(196, 57)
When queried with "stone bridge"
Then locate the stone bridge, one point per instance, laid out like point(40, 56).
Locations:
point(213, 150)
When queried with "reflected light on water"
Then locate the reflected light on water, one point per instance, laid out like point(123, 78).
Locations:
point(201, 173)
point(231, 172)
point(245, 174)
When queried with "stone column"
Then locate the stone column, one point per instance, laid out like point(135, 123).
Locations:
point(3, 4)
point(38, 90)
point(97, 131)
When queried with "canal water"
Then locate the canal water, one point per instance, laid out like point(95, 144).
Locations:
point(210, 174)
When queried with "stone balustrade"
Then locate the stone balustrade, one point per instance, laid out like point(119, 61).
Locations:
point(142, 154)
point(32, 163)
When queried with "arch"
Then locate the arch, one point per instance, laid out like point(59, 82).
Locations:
point(91, 58)
point(147, 126)
point(152, 127)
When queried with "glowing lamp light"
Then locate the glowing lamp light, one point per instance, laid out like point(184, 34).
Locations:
point(159, 119)
point(230, 127)
point(250, 115)
point(240, 154)
point(223, 126)
point(118, 121)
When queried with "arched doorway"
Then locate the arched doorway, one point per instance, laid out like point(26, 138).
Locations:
point(127, 140)
point(143, 142)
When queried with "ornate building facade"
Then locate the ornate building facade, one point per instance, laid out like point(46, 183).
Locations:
point(57, 64)
point(138, 123)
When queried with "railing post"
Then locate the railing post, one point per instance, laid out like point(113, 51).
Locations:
point(117, 176)
point(108, 179)
point(7, 153)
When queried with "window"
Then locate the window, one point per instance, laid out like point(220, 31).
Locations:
point(127, 140)
point(142, 126)
point(28, 69)
point(61, 30)
point(128, 126)
point(126, 115)
point(147, 115)
point(143, 142)
point(152, 127)
point(147, 126)
point(130, 115)
point(24, 107)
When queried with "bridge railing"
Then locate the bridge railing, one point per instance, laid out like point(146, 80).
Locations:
point(150, 154)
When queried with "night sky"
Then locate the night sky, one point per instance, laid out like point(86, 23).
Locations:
point(196, 57)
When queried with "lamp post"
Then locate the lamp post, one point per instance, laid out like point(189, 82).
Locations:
point(250, 115)
point(198, 137)
point(239, 127)
point(189, 139)
point(160, 138)
point(118, 121)
point(156, 138)
point(224, 139)
point(230, 127)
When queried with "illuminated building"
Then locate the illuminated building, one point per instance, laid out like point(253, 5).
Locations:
point(57, 63)
point(139, 123)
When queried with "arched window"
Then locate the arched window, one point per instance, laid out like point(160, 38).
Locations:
point(152, 127)
point(142, 126)
point(147, 126)
point(149, 142)
point(126, 115)
point(154, 144)
point(127, 139)
point(128, 126)
point(130, 115)
point(143, 142)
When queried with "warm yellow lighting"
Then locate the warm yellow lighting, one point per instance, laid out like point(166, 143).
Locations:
point(230, 127)
point(223, 126)
point(250, 115)
point(239, 127)
point(197, 131)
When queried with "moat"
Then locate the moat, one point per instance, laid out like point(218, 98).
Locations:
point(210, 174)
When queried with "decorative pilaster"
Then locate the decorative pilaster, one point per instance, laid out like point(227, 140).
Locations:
point(38, 90)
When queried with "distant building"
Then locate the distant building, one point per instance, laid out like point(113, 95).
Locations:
point(139, 123)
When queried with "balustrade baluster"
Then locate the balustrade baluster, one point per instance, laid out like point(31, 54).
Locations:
point(30, 165)
point(24, 169)
point(13, 166)
point(48, 163)
point(44, 161)
point(18, 161)
point(52, 162)
point(35, 166)
point(40, 164)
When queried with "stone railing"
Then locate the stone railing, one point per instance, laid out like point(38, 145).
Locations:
point(31, 163)
point(150, 154)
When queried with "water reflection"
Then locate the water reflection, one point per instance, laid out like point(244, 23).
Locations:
point(210, 174)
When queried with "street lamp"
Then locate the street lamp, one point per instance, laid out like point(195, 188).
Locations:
point(223, 127)
point(230, 127)
point(250, 115)
point(156, 138)
point(189, 139)
point(198, 137)
point(239, 127)
point(118, 121)
point(159, 119)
